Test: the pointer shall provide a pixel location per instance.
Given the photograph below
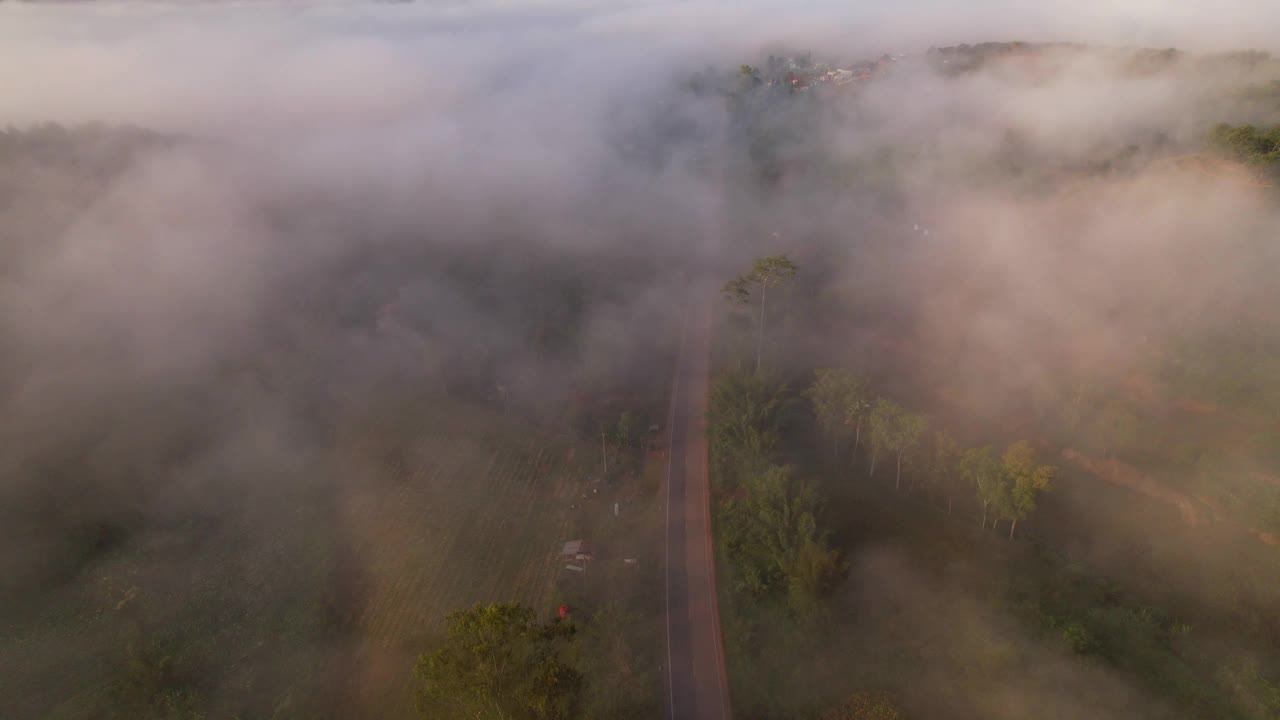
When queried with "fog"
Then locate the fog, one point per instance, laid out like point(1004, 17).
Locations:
point(267, 219)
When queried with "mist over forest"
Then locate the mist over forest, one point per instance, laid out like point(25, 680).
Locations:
point(315, 319)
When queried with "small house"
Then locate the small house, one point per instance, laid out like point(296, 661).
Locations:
point(575, 550)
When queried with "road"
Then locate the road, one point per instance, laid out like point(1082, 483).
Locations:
point(696, 683)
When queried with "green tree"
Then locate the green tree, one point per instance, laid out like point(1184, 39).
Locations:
point(906, 438)
point(774, 518)
point(742, 423)
point(884, 427)
point(1026, 479)
point(766, 272)
point(813, 571)
point(498, 663)
point(897, 431)
point(1248, 144)
point(627, 432)
point(944, 466)
point(620, 443)
point(982, 469)
point(773, 539)
point(836, 393)
point(856, 413)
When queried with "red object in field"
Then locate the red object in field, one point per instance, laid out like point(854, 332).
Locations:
point(564, 611)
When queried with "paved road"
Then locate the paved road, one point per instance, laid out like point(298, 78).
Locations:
point(696, 683)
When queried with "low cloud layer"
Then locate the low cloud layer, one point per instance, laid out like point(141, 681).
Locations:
point(362, 65)
point(324, 204)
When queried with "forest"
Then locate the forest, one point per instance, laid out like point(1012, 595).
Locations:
point(952, 482)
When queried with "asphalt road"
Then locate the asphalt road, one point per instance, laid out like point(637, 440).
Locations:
point(696, 683)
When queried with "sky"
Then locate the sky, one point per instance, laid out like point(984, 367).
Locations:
point(243, 64)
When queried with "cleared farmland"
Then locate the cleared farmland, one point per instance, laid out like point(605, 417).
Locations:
point(316, 596)
point(453, 505)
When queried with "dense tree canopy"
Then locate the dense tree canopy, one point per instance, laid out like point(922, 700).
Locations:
point(499, 663)
point(773, 537)
point(840, 401)
point(944, 466)
point(982, 469)
point(1025, 479)
point(1250, 145)
point(770, 530)
point(743, 423)
point(884, 427)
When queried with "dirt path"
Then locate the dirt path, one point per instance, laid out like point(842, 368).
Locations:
point(696, 682)
point(1213, 167)
point(1128, 476)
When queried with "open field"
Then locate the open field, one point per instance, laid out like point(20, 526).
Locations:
point(457, 505)
point(466, 506)
point(321, 596)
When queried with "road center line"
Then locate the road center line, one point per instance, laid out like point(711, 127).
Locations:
point(671, 429)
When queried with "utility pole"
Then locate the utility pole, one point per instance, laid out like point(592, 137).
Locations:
point(764, 286)
point(604, 453)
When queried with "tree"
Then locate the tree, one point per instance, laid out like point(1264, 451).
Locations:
point(748, 79)
point(981, 468)
point(1076, 407)
point(944, 465)
point(627, 432)
point(906, 437)
point(897, 431)
point(855, 413)
point(782, 509)
point(619, 443)
point(834, 394)
point(772, 536)
point(1248, 144)
point(864, 706)
point(766, 272)
point(1026, 480)
point(813, 571)
point(884, 426)
point(498, 663)
point(742, 422)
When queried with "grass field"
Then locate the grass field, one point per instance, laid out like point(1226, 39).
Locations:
point(457, 505)
point(317, 595)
